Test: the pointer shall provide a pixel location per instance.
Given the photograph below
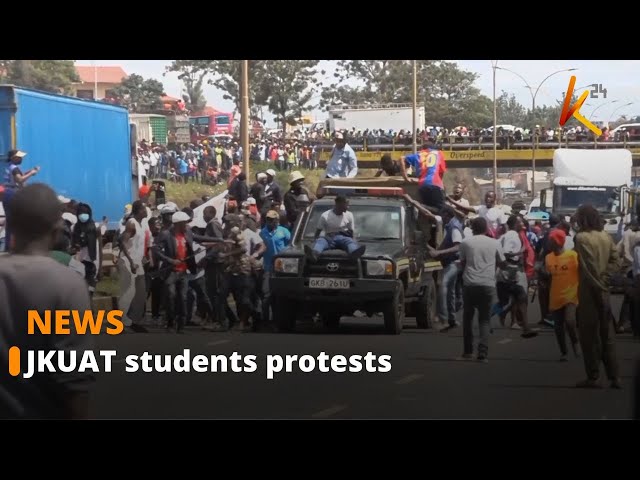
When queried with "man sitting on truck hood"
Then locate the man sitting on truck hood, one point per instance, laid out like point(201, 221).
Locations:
point(339, 232)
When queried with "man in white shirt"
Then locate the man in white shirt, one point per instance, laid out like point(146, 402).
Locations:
point(154, 158)
point(494, 216)
point(130, 268)
point(630, 237)
point(512, 284)
point(458, 190)
point(339, 232)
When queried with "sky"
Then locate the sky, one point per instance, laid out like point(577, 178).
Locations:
point(618, 77)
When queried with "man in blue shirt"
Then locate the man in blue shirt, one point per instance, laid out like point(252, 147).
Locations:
point(276, 238)
point(343, 162)
point(448, 254)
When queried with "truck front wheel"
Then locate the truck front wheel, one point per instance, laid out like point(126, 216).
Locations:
point(394, 312)
point(284, 315)
point(424, 305)
point(331, 321)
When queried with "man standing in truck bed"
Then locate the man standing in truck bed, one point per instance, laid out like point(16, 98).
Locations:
point(343, 161)
point(428, 167)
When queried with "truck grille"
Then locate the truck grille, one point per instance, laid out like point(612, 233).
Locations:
point(332, 268)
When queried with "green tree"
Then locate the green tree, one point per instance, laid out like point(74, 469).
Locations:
point(193, 74)
point(510, 111)
point(548, 116)
point(450, 97)
point(227, 75)
point(382, 81)
point(56, 76)
point(288, 86)
point(139, 95)
point(448, 92)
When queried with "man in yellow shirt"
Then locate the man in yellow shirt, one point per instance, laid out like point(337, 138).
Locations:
point(562, 266)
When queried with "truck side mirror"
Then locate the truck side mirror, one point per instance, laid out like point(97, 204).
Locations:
point(543, 200)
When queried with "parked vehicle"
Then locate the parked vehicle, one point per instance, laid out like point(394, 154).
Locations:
point(82, 146)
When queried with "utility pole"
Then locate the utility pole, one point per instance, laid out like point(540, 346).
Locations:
point(244, 120)
point(495, 139)
point(415, 101)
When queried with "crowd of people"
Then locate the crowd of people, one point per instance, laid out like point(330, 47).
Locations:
point(506, 135)
point(185, 268)
point(492, 259)
point(216, 163)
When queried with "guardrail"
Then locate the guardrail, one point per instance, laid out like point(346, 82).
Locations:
point(365, 147)
point(476, 158)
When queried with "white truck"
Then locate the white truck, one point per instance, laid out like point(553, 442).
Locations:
point(597, 177)
point(388, 116)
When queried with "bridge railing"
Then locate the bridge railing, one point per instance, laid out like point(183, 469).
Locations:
point(470, 156)
point(501, 145)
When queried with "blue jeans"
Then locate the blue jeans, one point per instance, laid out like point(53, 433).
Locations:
point(341, 242)
point(447, 295)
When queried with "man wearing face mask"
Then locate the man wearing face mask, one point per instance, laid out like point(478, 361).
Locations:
point(87, 241)
point(13, 180)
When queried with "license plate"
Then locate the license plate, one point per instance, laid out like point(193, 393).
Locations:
point(333, 283)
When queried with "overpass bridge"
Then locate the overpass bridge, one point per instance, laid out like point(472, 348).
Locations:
point(480, 155)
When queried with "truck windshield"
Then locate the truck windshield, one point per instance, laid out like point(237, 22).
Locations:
point(604, 199)
point(372, 222)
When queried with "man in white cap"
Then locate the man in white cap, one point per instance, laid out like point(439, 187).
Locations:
point(343, 162)
point(273, 193)
point(13, 180)
point(297, 198)
point(257, 189)
point(166, 212)
point(174, 247)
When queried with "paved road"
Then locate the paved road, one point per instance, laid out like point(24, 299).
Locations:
point(523, 378)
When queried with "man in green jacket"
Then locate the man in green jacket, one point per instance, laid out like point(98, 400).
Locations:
point(598, 258)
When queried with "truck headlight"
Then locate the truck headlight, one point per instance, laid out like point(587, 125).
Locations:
point(287, 265)
point(378, 268)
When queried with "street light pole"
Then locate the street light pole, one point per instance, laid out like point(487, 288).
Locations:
point(621, 106)
point(533, 116)
point(599, 107)
point(95, 81)
point(415, 105)
point(244, 125)
point(495, 133)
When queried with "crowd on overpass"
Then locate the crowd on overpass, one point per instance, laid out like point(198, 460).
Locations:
point(506, 135)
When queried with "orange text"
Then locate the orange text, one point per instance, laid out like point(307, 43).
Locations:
point(60, 322)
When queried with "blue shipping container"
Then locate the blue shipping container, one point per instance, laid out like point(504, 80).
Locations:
point(83, 147)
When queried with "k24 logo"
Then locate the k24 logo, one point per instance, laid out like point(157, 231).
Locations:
point(574, 111)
